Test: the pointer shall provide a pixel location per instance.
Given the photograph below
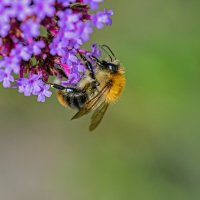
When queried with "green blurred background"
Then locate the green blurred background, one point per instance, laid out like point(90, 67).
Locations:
point(148, 145)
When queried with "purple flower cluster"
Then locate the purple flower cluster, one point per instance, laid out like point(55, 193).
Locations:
point(41, 39)
point(34, 85)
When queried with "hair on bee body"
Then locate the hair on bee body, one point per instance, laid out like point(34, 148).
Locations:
point(96, 90)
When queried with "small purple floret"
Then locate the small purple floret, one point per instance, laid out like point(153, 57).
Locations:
point(101, 18)
point(34, 86)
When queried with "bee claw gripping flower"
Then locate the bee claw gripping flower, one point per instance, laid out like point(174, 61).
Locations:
point(41, 39)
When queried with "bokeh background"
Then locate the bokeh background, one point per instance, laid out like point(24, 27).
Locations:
point(148, 145)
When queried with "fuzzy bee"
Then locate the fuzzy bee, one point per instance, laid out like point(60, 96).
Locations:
point(96, 90)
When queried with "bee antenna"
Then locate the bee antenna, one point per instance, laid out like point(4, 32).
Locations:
point(101, 46)
point(106, 46)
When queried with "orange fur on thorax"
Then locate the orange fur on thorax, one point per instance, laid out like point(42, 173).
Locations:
point(118, 83)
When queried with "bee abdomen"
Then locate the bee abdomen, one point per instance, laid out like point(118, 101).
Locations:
point(76, 99)
point(72, 97)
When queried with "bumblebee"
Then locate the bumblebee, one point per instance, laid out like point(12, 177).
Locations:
point(96, 90)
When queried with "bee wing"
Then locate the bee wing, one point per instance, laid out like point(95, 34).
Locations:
point(91, 104)
point(97, 116)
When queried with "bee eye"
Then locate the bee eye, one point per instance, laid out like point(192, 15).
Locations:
point(113, 67)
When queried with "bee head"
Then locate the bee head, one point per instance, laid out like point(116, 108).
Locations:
point(112, 67)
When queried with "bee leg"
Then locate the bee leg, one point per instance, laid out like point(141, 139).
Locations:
point(65, 89)
point(56, 86)
point(88, 65)
point(102, 64)
point(62, 73)
point(94, 83)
